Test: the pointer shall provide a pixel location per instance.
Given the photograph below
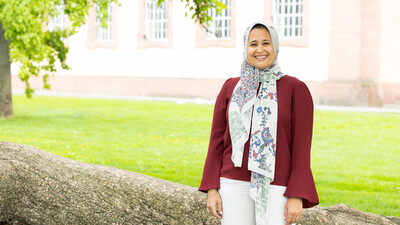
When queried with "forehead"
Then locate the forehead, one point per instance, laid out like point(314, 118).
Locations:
point(259, 33)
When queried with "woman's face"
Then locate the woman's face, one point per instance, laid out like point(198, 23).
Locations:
point(260, 50)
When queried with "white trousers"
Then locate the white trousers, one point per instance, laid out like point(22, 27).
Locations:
point(239, 209)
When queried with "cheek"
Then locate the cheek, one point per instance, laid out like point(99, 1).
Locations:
point(250, 52)
point(271, 50)
point(272, 53)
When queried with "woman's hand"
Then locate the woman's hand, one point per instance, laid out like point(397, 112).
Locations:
point(213, 200)
point(293, 210)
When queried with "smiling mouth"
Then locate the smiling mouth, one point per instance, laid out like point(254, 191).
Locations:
point(260, 57)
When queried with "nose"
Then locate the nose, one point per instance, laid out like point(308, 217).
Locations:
point(259, 49)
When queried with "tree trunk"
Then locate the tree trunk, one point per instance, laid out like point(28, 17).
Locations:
point(37, 187)
point(6, 109)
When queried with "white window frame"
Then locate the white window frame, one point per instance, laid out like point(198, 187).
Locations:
point(287, 16)
point(220, 27)
point(156, 19)
point(100, 33)
point(59, 21)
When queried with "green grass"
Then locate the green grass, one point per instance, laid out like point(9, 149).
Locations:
point(355, 156)
point(356, 160)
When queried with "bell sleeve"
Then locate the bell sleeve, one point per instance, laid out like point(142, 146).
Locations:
point(301, 182)
point(211, 173)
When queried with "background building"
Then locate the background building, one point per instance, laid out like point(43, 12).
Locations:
point(347, 51)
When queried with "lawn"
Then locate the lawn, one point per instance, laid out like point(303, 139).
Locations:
point(355, 156)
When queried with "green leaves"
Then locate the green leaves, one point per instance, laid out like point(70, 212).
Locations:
point(34, 48)
point(200, 8)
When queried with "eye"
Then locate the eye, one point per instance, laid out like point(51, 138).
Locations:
point(253, 44)
point(266, 43)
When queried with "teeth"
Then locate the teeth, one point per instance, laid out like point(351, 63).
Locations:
point(260, 57)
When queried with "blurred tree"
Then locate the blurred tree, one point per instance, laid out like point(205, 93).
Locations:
point(26, 41)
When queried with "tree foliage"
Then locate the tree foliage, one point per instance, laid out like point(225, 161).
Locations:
point(40, 51)
point(36, 49)
point(199, 9)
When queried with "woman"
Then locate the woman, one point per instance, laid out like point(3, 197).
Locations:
point(257, 169)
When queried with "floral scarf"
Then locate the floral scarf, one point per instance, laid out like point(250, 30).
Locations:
point(263, 122)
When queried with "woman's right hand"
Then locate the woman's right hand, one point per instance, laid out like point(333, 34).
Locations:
point(213, 200)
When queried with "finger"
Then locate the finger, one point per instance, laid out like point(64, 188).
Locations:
point(213, 210)
point(210, 206)
point(216, 214)
point(286, 211)
point(289, 218)
point(298, 218)
point(300, 213)
point(293, 218)
point(219, 207)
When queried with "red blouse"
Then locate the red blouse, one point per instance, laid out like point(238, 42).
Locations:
point(294, 133)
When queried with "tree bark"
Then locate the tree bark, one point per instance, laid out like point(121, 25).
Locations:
point(6, 109)
point(37, 187)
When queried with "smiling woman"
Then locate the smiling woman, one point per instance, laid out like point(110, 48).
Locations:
point(257, 169)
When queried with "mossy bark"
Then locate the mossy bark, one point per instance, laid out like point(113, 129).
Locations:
point(37, 187)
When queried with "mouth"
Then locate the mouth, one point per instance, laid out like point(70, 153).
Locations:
point(260, 57)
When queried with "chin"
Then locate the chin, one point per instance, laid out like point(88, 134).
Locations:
point(261, 67)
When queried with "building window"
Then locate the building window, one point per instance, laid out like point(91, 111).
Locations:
point(99, 36)
point(288, 16)
point(155, 24)
point(59, 21)
point(220, 27)
point(221, 31)
point(101, 33)
point(156, 21)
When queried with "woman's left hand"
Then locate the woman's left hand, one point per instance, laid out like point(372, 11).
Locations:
point(293, 210)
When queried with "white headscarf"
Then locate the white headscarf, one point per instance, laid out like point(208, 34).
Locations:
point(264, 122)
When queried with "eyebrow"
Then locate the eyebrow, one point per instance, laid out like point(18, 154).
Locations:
point(261, 40)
